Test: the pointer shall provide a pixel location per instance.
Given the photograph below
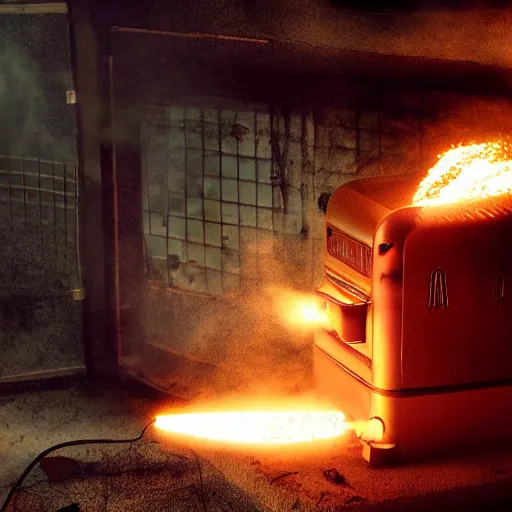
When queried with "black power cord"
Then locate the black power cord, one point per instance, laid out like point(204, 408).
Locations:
point(201, 483)
point(78, 442)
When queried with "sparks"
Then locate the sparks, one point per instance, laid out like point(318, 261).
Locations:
point(257, 427)
point(467, 173)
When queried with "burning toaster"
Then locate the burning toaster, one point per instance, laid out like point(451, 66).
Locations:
point(420, 319)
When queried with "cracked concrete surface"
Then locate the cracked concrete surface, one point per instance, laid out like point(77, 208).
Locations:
point(162, 473)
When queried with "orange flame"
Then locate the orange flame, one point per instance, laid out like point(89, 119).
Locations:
point(257, 427)
point(304, 312)
point(467, 173)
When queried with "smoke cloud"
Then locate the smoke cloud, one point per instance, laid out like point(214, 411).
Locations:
point(35, 73)
point(249, 341)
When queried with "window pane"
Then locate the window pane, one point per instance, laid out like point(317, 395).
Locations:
point(211, 164)
point(247, 193)
point(212, 210)
point(176, 227)
point(264, 170)
point(176, 133)
point(194, 162)
point(230, 190)
point(228, 143)
point(212, 188)
point(194, 185)
point(155, 246)
point(194, 208)
point(263, 148)
point(176, 248)
point(195, 231)
point(195, 253)
point(247, 216)
point(213, 258)
point(157, 224)
point(230, 237)
point(194, 134)
point(229, 167)
point(265, 195)
point(213, 234)
point(211, 131)
point(176, 182)
point(211, 115)
point(176, 204)
point(229, 213)
point(245, 133)
point(248, 169)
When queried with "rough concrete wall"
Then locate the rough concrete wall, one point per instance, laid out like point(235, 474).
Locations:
point(465, 35)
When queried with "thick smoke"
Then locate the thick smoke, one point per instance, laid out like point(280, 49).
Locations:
point(254, 349)
point(36, 122)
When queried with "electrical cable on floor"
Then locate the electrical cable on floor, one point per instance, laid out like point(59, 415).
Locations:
point(78, 442)
point(201, 483)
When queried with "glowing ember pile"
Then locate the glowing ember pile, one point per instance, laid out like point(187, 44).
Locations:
point(467, 173)
point(257, 427)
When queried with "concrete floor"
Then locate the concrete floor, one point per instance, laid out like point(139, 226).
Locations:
point(160, 473)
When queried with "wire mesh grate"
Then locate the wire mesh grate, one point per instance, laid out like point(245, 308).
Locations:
point(208, 191)
point(218, 182)
point(42, 197)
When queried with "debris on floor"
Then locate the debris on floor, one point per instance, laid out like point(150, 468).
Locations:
point(162, 473)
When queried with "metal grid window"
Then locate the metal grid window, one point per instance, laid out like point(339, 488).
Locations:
point(207, 193)
point(42, 195)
